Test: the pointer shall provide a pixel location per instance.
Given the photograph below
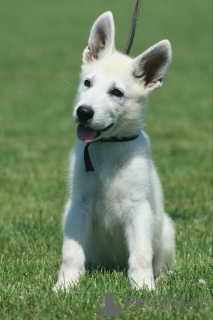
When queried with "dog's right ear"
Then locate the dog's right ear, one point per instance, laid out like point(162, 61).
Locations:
point(102, 38)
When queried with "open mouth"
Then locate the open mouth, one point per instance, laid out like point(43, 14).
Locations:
point(88, 134)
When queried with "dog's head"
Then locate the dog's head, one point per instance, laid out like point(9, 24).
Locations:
point(113, 86)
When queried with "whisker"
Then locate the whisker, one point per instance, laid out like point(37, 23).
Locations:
point(70, 84)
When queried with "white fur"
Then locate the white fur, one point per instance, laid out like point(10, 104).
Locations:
point(115, 215)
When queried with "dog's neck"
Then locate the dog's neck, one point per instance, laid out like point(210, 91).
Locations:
point(87, 160)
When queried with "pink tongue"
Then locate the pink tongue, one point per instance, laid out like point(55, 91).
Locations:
point(85, 134)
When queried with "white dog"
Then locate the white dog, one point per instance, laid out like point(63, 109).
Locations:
point(115, 214)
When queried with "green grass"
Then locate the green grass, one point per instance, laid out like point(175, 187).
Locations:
point(40, 56)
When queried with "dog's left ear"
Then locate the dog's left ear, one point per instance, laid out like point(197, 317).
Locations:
point(102, 38)
point(151, 66)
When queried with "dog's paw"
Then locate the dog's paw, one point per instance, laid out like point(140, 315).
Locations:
point(60, 286)
point(68, 278)
point(139, 280)
point(64, 285)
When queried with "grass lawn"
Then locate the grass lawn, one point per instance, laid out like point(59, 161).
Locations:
point(40, 57)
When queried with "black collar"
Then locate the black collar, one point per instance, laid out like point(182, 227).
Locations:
point(87, 160)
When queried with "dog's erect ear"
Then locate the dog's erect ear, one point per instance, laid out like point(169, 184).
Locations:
point(102, 38)
point(151, 66)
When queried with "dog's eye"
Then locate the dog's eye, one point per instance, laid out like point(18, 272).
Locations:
point(87, 83)
point(116, 92)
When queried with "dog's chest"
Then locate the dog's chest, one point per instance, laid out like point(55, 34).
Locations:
point(109, 198)
point(112, 195)
point(118, 182)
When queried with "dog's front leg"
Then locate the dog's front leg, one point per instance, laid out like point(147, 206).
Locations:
point(139, 241)
point(76, 226)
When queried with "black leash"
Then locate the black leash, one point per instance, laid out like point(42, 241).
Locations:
point(133, 27)
point(87, 160)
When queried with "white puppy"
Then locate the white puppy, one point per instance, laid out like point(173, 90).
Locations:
point(115, 214)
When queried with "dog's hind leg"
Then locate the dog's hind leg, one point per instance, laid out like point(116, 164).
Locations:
point(164, 257)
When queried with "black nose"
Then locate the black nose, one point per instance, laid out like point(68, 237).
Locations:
point(85, 113)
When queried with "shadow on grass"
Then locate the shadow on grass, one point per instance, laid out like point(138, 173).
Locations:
point(105, 269)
